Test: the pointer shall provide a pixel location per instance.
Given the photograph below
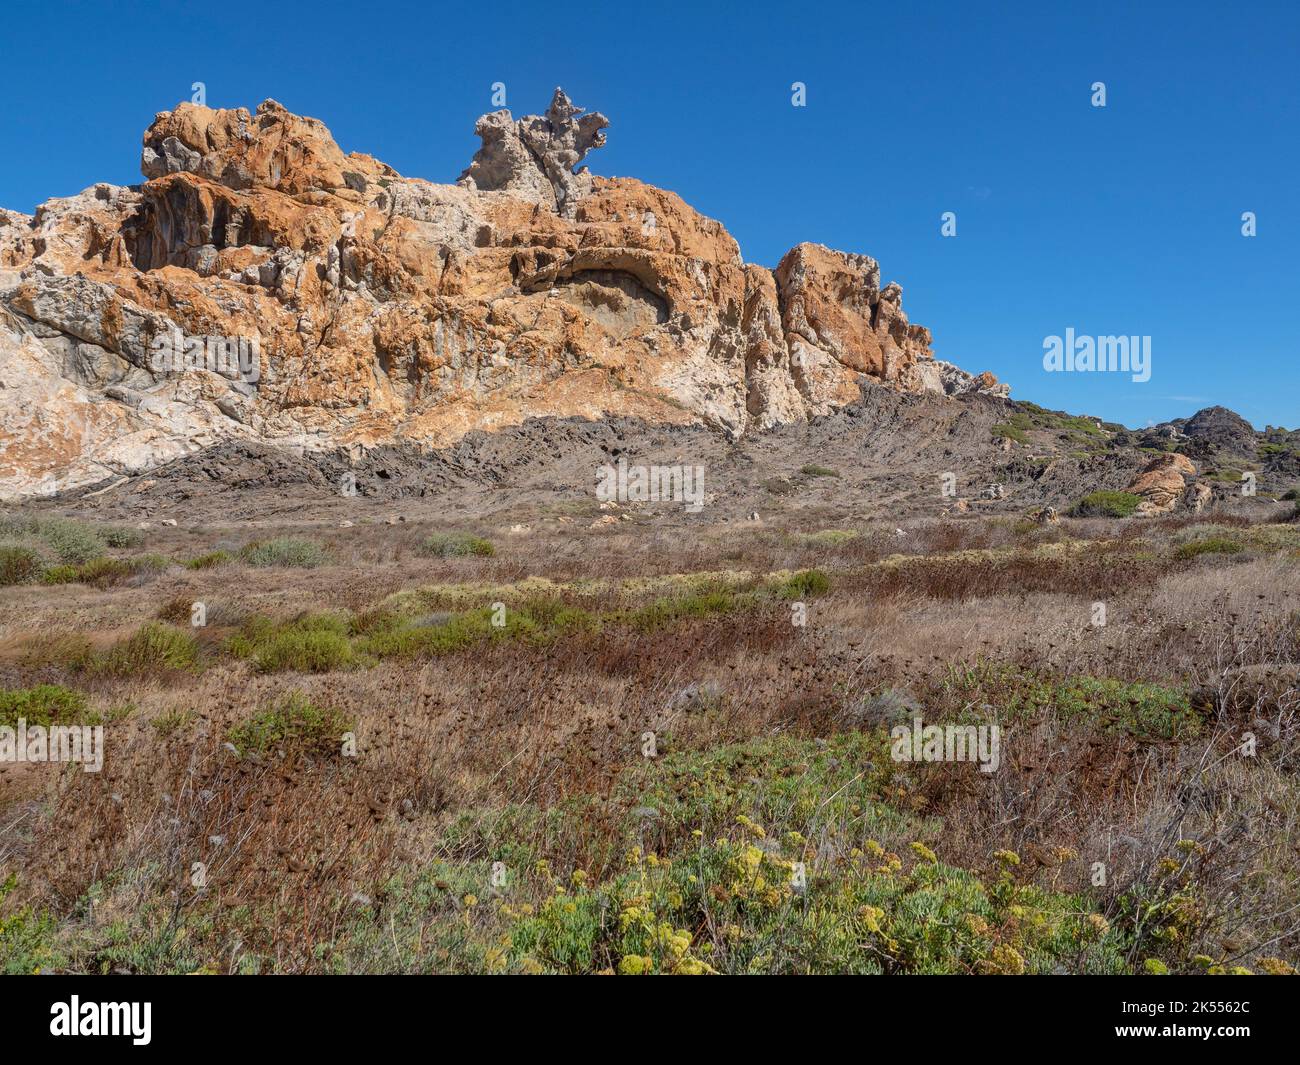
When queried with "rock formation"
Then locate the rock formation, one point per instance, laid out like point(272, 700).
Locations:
point(535, 157)
point(1221, 429)
point(262, 283)
point(1163, 483)
point(1198, 497)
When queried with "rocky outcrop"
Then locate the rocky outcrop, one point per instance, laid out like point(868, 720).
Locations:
point(1198, 497)
point(1162, 483)
point(834, 314)
point(939, 376)
point(1218, 432)
point(362, 308)
point(536, 156)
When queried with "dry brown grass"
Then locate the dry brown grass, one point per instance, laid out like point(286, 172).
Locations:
point(517, 722)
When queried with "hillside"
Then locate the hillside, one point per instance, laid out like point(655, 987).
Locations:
point(263, 286)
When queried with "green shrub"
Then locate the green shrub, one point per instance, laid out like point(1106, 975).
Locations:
point(455, 545)
point(210, 560)
point(1141, 709)
point(118, 712)
point(304, 652)
point(153, 648)
point(119, 536)
point(292, 721)
point(826, 537)
point(804, 585)
point(27, 938)
point(313, 643)
point(71, 541)
point(552, 615)
point(539, 618)
point(19, 564)
point(45, 704)
point(668, 610)
point(411, 639)
point(1031, 415)
point(285, 551)
point(1227, 475)
point(818, 471)
point(714, 893)
point(1107, 505)
point(422, 641)
point(62, 540)
point(103, 571)
point(1010, 432)
point(318, 643)
point(170, 721)
point(711, 600)
point(1210, 545)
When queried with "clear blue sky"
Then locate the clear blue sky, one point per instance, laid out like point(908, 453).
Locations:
point(1122, 220)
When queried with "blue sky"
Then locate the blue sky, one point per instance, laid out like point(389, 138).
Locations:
point(1117, 220)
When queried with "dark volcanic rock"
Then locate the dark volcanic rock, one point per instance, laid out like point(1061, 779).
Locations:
point(1224, 429)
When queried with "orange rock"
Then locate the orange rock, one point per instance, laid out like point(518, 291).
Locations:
point(1162, 483)
point(385, 308)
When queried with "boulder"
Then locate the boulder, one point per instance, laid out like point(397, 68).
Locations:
point(1161, 483)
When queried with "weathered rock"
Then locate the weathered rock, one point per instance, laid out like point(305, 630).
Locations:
point(695, 697)
point(1222, 428)
point(376, 309)
point(535, 157)
point(1198, 497)
point(270, 149)
point(1161, 483)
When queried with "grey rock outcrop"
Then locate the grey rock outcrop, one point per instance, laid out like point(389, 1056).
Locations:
point(534, 157)
point(951, 380)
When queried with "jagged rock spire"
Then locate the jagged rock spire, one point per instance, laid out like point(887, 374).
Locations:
point(535, 157)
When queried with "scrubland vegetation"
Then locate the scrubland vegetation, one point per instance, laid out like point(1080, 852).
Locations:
point(431, 750)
